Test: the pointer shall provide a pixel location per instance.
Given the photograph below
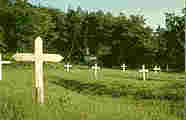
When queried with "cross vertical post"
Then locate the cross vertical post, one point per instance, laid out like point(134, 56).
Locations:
point(143, 68)
point(39, 69)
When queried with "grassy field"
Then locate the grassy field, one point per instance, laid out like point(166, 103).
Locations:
point(78, 96)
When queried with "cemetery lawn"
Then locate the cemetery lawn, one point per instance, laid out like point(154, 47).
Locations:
point(75, 95)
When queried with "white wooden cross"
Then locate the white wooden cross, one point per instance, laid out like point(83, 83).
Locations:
point(143, 70)
point(95, 68)
point(38, 58)
point(2, 62)
point(123, 67)
point(68, 66)
point(156, 69)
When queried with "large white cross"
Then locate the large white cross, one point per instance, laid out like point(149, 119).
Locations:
point(123, 67)
point(38, 58)
point(2, 62)
point(143, 70)
point(95, 68)
point(68, 66)
point(156, 69)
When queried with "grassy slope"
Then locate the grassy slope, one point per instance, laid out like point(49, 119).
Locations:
point(67, 100)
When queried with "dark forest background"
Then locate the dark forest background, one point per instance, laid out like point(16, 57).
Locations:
point(112, 39)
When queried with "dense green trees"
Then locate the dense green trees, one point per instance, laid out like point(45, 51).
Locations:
point(112, 39)
point(171, 40)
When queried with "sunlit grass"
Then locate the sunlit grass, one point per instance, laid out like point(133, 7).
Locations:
point(71, 94)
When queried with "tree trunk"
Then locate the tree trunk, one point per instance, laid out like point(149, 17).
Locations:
point(167, 67)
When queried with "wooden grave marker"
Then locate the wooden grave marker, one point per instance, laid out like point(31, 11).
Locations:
point(123, 67)
point(144, 71)
point(68, 66)
point(95, 68)
point(157, 69)
point(38, 58)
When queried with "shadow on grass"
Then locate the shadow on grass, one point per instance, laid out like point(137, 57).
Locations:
point(116, 91)
point(87, 88)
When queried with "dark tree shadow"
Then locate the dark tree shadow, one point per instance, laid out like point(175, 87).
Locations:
point(100, 89)
point(86, 88)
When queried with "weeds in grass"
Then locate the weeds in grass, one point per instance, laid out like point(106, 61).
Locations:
point(10, 109)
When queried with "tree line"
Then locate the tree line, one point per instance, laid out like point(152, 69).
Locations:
point(112, 39)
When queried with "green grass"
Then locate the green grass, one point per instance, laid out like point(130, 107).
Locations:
point(115, 96)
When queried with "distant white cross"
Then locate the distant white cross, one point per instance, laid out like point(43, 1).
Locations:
point(2, 62)
point(38, 58)
point(68, 66)
point(123, 67)
point(143, 70)
point(87, 51)
point(156, 69)
point(95, 68)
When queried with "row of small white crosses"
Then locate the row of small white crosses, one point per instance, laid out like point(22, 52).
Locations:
point(155, 68)
point(143, 70)
point(68, 66)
